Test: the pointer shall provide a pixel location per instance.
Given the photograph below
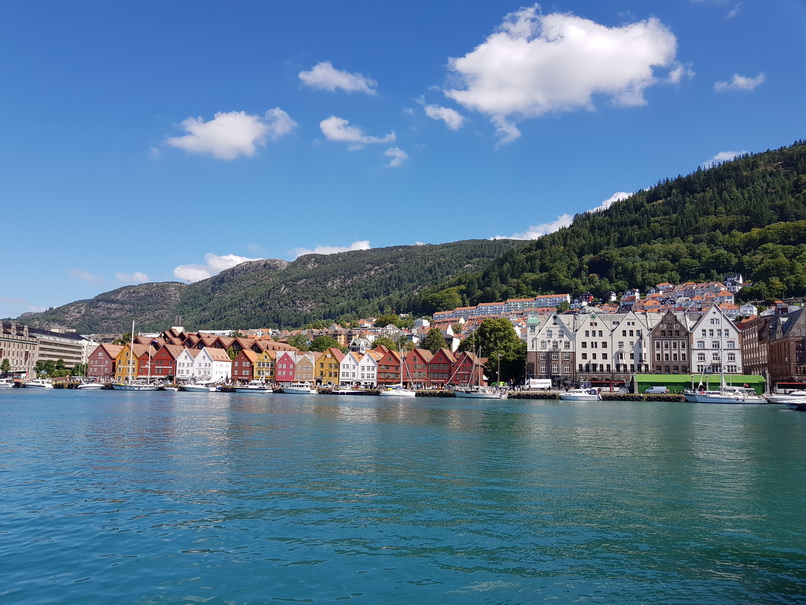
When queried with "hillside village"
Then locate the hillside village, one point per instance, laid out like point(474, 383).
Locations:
point(675, 331)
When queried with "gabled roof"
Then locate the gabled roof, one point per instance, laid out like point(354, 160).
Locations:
point(218, 354)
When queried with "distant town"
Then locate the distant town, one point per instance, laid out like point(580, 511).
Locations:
point(670, 335)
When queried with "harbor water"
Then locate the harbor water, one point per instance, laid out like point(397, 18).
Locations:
point(217, 498)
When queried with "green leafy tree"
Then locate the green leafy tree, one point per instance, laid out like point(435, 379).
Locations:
point(387, 342)
point(497, 340)
point(434, 340)
point(299, 341)
point(323, 343)
point(5, 366)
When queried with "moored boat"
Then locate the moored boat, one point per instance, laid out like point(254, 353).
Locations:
point(724, 394)
point(253, 386)
point(135, 386)
point(480, 392)
point(398, 391)
point(299, 388)
point(589, 394)
point(90, 386)
point(199, 387)
point(6, 383)
point(794, 400)
point(40, 383)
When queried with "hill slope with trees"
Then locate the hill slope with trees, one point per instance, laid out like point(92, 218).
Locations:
point(277, 293)
point(746, 216)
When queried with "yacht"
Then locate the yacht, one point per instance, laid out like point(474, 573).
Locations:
point(480, 392)
point(40, 383)
point(91, 386)
point(253, 386)
point(724, 394)
point(588, 394)
point(6, 383)
point(200, 387)
point(795, 400)
point(299, 388)
point(398, 391)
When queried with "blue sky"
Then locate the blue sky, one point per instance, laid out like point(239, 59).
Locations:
point(160, 141)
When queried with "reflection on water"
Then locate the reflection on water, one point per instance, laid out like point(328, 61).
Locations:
point(214, 497)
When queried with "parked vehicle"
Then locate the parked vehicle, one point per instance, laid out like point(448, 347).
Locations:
point(657, 391)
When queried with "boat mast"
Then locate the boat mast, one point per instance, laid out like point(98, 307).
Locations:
point(131, 354)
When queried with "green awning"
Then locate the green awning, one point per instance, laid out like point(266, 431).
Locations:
point(687, 379)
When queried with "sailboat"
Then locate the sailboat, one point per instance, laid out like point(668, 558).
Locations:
point(399, 390)
point(478, 391)
point(130, 385)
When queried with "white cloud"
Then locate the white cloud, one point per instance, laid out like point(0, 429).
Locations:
point(213, 264)
point(233, 134)
point(85, 276)
point(359, 245)
point(616, 197)
point(535, 64)
point(535, 231)
point(563, 220)
point(326, 77)
point(338, 129)
point(397, 155)
point(740, 83)
point(722, 156)
point(452, 118)
point(137, 277)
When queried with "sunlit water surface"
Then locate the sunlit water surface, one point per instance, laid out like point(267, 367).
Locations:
point(115, 497)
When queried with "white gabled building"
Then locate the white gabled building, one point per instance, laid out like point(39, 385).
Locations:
point(348, 368)
point(185, 365)
point(368, 368)
point(715, 344)
point(212, 365)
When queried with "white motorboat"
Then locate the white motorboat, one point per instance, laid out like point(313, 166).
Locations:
point(589, 394)
point(199, 387)
point(724, 394)
point(253, 386)
point(91, 386)
point(480, 392)
point(6, 383)
point(135, 386)
point(348, 391)
point(40, 383)
point(792, 398)
point(299, 388)
point(398, 391)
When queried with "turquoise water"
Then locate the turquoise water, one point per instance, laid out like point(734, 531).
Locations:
point(115, 497)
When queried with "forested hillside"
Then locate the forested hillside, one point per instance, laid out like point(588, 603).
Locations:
point(746, 216)
point(277, 293)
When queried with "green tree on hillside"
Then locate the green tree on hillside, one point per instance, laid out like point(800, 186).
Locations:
point(434, 340)
point(497, 340)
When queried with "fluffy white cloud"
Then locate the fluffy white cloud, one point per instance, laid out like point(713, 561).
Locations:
point(137, 277)
point(213, 264)
point(326, 77)
point(359, 245)
point(397, 155)
point(339, 129)
point(563, 220)
point(452, 118)
point(85, 276)
point(233, 134)
point(722, 156)
point(616, 197)
point(740, 83)
point(535, 64)
point(535, 231)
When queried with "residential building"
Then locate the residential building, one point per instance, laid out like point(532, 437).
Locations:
point(101, 363)
point(19, 347)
